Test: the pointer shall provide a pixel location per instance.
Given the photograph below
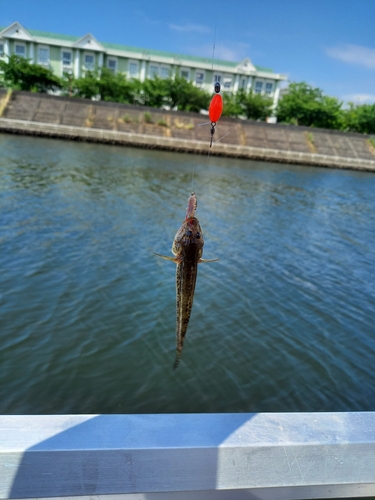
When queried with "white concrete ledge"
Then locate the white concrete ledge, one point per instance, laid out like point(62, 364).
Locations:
point(200, 456)
point(183, 145)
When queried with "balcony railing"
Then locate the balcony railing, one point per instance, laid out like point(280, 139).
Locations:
point(189, 456)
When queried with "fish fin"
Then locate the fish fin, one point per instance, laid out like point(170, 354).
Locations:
point(173, 259)
point(202, 261)
point(177, 360)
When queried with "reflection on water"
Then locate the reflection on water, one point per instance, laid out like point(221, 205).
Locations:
point(283, 322)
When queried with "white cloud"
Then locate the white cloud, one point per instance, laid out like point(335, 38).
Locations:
point(360, 98)
point(353, 54)
point(189, 28)
point(227, 53)
point(235, 52)
point(145, 19)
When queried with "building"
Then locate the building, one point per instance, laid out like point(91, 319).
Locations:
point(75, 55)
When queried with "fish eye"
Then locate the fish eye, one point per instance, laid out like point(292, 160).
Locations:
point(189, 233)
point(198, 235)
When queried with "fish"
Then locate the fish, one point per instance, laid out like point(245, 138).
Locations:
point(187, 249)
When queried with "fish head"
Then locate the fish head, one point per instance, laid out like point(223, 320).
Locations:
point(189, 238)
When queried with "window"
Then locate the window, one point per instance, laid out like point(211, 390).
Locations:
point(66, 59)
point(243, 83)
point(89, 62)
point(133, 69)
point(269, 88)
point(164, 72)
point(20, 50)
point(199, 78)
point(43, 56)
point(1, 49)
point(153, 71)
point(217, 78)
point(227, 83)
point(185, 73)
point(112, 65)
point(258, 87)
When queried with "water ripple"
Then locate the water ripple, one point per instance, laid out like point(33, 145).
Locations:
point(283, 322)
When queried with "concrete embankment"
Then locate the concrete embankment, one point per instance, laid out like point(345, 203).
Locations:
point(80, 119)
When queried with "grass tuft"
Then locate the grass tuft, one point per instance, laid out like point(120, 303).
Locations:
point(147, 117)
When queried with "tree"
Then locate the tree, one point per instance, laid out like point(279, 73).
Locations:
point(116, 87)
point(232, 105)
point(103, 84)
point(305, 105)
point(184, 95)
point(67, 84)
point(254, 106)
point(329, 114)
point(87, 86)
point(153, 92)
point(20, 74)
point(360, 118)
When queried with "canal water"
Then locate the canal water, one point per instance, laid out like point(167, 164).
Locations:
point(284, 321)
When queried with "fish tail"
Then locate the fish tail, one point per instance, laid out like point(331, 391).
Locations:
point(177, 360)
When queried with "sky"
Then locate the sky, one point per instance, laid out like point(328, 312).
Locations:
point(329, 44)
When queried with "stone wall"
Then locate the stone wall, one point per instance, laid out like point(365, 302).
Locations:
point(312, 145)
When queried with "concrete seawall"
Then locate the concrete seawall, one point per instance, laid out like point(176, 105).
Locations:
point(80, 119)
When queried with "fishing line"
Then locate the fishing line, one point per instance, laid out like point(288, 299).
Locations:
point(213, 74)
point(192, 179)
point(222, 137)
point(206, 123)
point(213, 48)
point(213, 58)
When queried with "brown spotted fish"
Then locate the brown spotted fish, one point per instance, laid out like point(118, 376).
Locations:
point(187, 249)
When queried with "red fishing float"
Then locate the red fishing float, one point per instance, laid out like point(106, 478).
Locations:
point(215, 109)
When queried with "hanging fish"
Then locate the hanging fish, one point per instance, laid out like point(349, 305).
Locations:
point(215, 109)
point(187, 249)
